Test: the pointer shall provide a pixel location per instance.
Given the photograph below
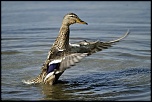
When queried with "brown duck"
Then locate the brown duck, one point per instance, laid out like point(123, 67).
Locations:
point(63, 55)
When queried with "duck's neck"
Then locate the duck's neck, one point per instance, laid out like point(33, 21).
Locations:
point(62, 41)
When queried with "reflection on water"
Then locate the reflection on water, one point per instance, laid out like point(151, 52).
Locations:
point(121, 72)
point(101, 85)
point(56, 92)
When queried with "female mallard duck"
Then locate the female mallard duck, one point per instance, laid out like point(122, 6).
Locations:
point(63, 55)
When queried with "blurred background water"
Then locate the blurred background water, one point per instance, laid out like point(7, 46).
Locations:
point(122, 72)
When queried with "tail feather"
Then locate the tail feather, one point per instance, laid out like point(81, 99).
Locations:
point(36, 80)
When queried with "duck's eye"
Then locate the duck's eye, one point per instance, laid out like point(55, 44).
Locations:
point(73, 16)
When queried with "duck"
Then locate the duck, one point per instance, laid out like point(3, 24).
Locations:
point(63, 55)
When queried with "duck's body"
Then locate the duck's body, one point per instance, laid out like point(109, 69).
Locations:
point(62, 55)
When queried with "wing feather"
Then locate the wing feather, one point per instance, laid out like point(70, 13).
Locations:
point(70, 60)
point(93, 47)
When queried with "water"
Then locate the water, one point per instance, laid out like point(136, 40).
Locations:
point(121, 72)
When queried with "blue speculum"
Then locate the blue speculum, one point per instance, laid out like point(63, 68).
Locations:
point(51, 67)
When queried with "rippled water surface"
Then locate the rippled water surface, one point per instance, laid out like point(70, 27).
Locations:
point(122, 72)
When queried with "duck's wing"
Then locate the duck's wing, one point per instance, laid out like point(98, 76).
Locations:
point(70, 60)
point(93, 47)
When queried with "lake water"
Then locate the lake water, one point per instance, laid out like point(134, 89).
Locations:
point(122, 72)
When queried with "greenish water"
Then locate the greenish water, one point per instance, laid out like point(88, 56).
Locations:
point(122, 72)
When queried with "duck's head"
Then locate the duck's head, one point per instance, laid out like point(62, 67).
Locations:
point(72, 18)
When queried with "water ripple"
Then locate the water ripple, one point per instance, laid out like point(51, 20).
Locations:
point(109, 84)
point(10, 52)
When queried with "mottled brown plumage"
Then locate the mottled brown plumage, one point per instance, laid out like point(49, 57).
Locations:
point(65, 54)
point(61, 44)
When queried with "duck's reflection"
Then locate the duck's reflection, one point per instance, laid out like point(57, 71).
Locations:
point(58, 91)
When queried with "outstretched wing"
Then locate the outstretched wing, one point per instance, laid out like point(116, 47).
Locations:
point(93, 47)
point(70, 60)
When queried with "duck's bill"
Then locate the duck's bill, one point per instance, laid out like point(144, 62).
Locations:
point(81, 22)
